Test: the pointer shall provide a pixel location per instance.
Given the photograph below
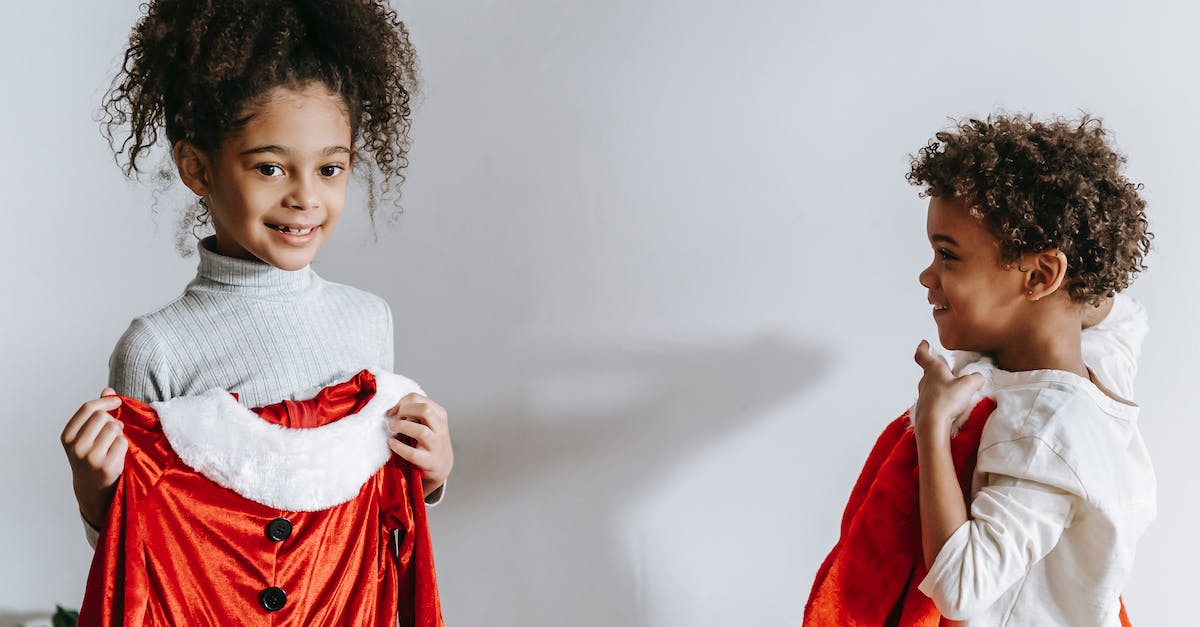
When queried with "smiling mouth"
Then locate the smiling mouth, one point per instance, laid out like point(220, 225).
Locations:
point(292, 230)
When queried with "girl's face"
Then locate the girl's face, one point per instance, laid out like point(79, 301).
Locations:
point(976, 299)
point(276, 187)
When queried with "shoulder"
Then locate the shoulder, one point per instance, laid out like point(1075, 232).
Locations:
point(141, 337)
point(1053, 405)
point(353, 298)
point(1059, 429)
point(139, 366)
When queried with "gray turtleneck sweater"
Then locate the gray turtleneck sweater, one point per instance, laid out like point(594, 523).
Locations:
point(251, 328)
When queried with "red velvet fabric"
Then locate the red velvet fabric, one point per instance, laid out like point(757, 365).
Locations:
point(870, 577)
point(177, 549)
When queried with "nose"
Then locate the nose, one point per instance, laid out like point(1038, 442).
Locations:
point(927, 277)
point(303, 194)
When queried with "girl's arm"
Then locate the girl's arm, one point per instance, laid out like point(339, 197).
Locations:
point(95, 450)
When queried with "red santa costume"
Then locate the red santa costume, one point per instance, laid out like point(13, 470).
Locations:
point(292, 514)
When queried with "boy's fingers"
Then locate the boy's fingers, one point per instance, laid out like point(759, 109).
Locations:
point(927, 360)
point(922, 356)
point(107, 391)
point(974, 381)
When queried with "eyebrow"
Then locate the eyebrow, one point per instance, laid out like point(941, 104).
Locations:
point(329, 150)
point(946, 239)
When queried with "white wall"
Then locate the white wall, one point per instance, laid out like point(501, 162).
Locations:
point(659, 260)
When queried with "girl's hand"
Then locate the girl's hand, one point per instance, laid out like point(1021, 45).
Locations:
point(95, 450)
point(940, 395)
point(424, 421)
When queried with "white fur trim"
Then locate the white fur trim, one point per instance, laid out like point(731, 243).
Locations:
point(292, 469)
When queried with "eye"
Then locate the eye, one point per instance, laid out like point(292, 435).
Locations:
point(946, 255)
point(269, 169)
point(331, 170)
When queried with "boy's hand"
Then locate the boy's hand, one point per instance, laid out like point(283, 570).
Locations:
point(425, 422)
point(940, 395)
point(95, 450)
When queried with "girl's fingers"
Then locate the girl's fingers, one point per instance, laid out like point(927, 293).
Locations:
point(420, 408)
point(118, 449)
point(82, 444)
point(415, 456)
point(71, 431)
point(414, 430)
point(104, 440)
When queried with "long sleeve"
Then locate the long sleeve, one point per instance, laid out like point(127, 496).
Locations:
point(1015, 520)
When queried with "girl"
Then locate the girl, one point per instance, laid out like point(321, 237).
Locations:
point(1032, 226)
point(266, 107)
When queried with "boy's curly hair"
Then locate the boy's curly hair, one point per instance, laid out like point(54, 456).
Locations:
point(193, 66)
point(1045, 185)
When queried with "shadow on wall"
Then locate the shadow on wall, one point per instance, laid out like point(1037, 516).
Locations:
point(9, 618)
point(545, 472)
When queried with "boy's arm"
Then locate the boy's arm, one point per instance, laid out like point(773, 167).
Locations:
point(941, 396)
point(1014, 522)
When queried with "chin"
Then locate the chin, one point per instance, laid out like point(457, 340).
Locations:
point(290, 261)
point(291, 264)
point(950, 341)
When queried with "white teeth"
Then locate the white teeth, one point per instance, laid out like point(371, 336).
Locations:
point(284, 229)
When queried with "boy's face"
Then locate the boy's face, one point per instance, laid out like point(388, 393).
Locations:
point(976, 299)
point(278, 185)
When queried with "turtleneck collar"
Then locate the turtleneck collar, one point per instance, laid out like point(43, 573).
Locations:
point(246, 276)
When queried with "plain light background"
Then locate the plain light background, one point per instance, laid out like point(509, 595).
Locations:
point(658, 259)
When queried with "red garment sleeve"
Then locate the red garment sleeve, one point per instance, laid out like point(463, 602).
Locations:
point(116, 590)
point(403, 509)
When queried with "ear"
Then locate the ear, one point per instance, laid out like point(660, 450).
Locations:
point(1044, 273)
point(195, 169)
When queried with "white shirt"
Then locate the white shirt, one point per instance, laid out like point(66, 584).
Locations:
point(1063, 488)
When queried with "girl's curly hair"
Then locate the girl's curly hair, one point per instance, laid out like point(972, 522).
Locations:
point(1045, 185)
point(194, 66)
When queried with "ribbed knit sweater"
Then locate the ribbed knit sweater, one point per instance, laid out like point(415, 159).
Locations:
point(249, 327)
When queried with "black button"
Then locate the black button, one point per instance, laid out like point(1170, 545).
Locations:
point(279, 530)
point(272, 599)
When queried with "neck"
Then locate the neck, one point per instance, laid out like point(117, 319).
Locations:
point(1047, 342)
point(246, 276)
